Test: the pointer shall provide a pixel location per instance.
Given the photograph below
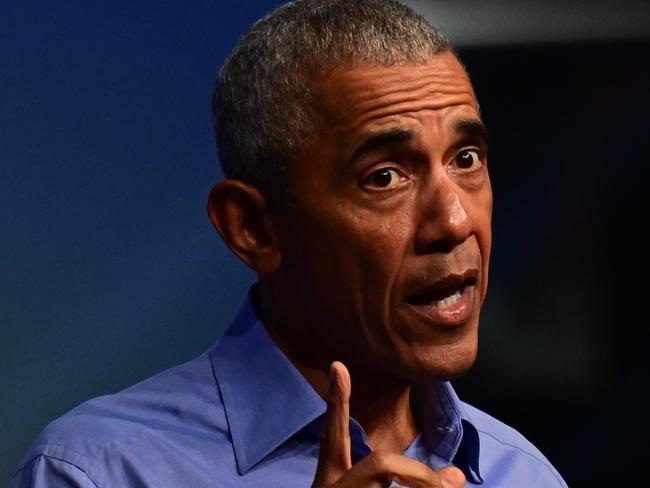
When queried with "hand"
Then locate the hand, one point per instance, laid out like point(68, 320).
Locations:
point(377, 470)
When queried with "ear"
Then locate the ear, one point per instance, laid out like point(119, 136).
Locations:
point(242, 216)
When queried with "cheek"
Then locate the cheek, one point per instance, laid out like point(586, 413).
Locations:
point(484, 232)
point(483, 229)
point(350, 257)
point(382, 242)
point(370, 250)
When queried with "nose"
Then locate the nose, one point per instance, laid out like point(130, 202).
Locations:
point(444, 221)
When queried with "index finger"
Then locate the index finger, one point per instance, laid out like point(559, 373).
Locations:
point(334, 458)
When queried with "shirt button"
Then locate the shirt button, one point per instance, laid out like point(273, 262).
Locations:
point(446, 429)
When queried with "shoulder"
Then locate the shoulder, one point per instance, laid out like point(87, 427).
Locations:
point(107, 439)
point(505, 450)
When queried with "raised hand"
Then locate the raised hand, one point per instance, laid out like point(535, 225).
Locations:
point(377, 470)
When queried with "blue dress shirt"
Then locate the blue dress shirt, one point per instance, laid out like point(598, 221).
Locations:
point(242, 416)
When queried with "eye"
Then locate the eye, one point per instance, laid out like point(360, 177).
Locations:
point(385, 178)
point(468, 159)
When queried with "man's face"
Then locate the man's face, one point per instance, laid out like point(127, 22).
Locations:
point(386, 247)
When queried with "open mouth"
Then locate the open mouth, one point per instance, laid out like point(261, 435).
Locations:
point(445, 292)
point(449, 301)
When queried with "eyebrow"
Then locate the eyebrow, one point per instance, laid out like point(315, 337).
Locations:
point(472, 128)
point(382, 140)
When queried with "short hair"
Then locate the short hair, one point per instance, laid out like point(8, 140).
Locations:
point(262, 106)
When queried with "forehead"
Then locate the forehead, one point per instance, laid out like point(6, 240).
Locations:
point(354, 97)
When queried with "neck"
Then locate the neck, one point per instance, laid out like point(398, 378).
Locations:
point(379, 402)
point(382, 405)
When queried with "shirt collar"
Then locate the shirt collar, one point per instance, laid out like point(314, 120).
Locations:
point(267, 400)
point(265, 397)
point(454, 438)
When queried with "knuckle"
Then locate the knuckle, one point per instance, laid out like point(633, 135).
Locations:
point(432, 478)
point(380, 462)
point(429, 476)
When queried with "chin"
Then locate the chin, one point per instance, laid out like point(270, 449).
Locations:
point(440, 362)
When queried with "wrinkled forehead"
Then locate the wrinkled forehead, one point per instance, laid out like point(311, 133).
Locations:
point(352, 96)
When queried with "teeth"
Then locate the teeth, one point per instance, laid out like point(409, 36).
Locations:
point(449, 301)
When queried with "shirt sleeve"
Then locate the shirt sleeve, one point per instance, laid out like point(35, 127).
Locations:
point(49, 472)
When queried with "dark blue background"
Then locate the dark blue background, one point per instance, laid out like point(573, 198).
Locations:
point(111, 271)
point(109, 267)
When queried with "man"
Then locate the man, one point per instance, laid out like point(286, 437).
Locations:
point(357, 188)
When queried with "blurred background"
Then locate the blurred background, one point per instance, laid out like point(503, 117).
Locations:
point(110, 270)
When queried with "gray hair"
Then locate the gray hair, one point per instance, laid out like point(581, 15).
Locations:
point(262, 107)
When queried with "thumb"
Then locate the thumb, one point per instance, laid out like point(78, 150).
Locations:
point(452, 477)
